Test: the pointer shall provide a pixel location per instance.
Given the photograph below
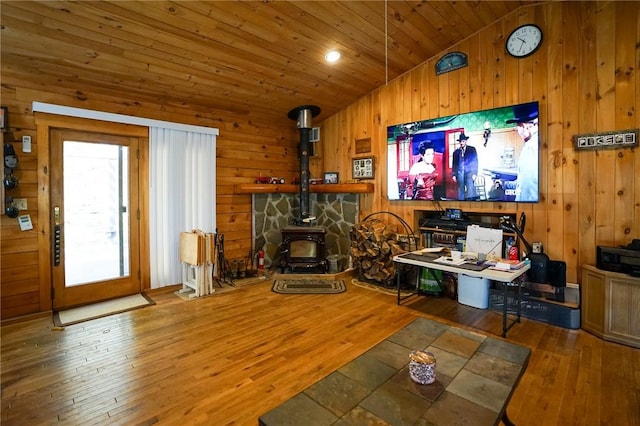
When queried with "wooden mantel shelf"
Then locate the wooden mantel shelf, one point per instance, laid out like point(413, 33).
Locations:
point(339, 188)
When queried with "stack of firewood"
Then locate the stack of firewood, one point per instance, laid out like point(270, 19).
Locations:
point(373, 245)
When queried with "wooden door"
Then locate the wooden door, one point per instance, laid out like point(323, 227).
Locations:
point(95, 217)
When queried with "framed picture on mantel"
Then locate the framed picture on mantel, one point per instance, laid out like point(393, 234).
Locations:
point(363, 168)
point(330, 177)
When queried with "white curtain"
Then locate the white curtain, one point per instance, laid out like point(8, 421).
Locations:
point(182, 195)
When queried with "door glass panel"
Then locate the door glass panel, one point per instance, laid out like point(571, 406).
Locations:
point(96, 212)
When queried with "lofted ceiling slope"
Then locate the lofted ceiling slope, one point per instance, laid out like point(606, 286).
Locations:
point(246, 57)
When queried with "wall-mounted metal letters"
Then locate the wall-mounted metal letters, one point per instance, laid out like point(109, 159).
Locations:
point(607, 140)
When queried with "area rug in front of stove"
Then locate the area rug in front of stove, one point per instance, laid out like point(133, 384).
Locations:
point(308, 286)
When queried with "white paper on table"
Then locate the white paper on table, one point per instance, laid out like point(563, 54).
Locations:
point(449, 260)
point(432, 249)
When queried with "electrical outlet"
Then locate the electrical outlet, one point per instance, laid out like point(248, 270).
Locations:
point(20, 203)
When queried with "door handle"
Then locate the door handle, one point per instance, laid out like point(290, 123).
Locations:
point(57, 235)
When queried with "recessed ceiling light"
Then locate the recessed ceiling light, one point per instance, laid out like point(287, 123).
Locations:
point(332, 56)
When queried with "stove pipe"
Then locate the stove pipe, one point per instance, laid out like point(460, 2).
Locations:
point(303, 115)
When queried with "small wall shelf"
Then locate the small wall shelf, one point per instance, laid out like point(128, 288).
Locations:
point(339, 188)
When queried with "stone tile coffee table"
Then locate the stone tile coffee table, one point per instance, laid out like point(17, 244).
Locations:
point(475, 378)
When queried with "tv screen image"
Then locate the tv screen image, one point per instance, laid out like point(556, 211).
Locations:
point(489, 155)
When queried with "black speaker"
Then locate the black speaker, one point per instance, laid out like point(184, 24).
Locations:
point(557, 271)
point(539, 272)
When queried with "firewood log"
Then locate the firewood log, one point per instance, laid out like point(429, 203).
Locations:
point(373, 245)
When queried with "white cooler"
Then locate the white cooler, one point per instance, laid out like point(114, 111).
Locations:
point(473, 291)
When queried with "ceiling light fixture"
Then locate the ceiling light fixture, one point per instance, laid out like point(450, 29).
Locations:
point(332, 56)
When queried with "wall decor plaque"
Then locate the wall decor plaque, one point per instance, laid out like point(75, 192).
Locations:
point(450, 62)
point(607, 140)
point(363, 168)
point(363, 145)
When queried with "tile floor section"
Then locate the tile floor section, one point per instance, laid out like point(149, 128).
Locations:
point(475, 377)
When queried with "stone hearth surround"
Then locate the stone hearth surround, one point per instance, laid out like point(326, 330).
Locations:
point(336, 213)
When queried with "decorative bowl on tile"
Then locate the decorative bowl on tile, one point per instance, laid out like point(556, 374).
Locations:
point(422, 367)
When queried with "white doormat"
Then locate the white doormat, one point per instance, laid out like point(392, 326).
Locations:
point(101, 309)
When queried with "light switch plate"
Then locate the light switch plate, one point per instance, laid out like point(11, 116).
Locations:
point(20, 203)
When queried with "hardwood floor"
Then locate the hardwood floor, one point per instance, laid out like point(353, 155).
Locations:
point(226, 359)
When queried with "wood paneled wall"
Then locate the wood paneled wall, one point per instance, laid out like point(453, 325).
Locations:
point(246, 147)
point(585, 77)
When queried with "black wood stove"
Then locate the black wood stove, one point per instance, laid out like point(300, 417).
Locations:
point(302, 250)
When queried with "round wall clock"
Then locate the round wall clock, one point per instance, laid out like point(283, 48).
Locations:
point(524, 41)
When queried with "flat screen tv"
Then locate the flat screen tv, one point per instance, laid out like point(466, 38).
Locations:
point(489, 155)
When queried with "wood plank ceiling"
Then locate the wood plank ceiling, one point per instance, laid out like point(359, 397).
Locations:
point(263, 57)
